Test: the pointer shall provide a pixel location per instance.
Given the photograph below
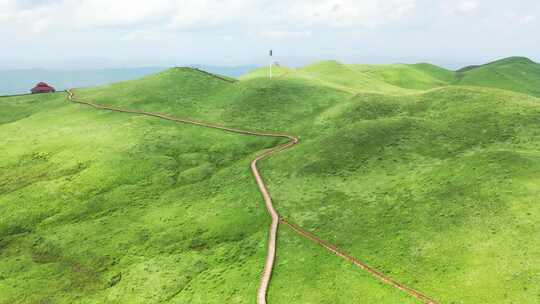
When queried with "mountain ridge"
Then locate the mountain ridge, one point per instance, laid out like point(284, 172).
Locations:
point(434, 186)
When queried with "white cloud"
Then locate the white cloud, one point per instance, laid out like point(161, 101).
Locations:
point(467, 7)
point(42, 16)
point(146, 36)
point(347, 13)
point(210, 13)
point(526, 19)
point(516, 19)
point(107, 13)
point(153, 31)
point(81, 14)
point(283, 35)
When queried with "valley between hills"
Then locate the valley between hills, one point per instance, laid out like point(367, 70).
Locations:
point(429, 176)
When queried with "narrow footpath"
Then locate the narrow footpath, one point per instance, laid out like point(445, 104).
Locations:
point(272, 236)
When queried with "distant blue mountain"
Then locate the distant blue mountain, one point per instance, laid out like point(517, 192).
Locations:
point(21, 81)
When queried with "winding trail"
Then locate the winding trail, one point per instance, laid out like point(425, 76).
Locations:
point(271, 254)
point(271, 251)
point(373, 272)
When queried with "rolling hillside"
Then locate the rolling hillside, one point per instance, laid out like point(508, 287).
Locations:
point(430, 182)
point(515, 73)
point(21, 81)
point(419, 76)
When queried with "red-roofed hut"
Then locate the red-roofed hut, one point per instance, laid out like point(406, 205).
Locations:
point(42, 87)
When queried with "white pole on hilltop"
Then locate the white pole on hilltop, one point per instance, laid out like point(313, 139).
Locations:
point(271, 53)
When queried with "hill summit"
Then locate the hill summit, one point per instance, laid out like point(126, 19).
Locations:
point(504, 61)
point(518, 74)
point(428, 175)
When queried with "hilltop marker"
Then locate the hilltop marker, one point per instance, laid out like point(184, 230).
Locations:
point(271, 54)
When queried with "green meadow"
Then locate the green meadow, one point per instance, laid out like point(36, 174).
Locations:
point(429, 175)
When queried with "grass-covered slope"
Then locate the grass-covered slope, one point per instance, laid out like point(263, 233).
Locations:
point(344, 76)
point(101, 207)
point(354, 78)
point(436, 188)
point(433, 188)
point(331, 74)
point(515, 73)
point(409, 76)
point(254, 103)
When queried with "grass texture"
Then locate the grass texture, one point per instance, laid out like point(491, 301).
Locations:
point(428, 175)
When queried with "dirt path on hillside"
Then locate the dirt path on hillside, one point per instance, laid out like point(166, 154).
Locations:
point(271, 253)
point(375, 273)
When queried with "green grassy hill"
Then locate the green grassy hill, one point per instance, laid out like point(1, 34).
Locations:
point(515, 73)
point(331, 74)
point(434, 184)
point(390, 79)
point(409, 76)
point(100, 207)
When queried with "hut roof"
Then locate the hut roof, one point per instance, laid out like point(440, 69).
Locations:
point(42, 87)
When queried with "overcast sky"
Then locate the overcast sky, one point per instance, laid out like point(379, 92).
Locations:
point(121, 33)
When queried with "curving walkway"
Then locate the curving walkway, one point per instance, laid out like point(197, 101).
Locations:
point(373, 272)
point(271, 254)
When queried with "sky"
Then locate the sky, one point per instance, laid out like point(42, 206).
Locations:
point(71, 34)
